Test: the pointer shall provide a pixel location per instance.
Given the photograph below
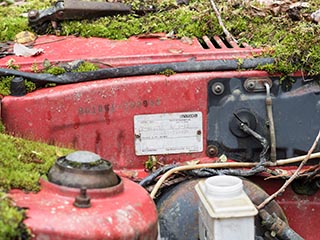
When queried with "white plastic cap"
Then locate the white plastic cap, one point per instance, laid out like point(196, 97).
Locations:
point(223, 186)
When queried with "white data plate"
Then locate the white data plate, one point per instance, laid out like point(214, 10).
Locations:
point(168, 133)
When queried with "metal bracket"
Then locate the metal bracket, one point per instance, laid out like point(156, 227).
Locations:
point(257, 84)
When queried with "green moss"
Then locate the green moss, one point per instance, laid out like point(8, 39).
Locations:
point(168, 72)
point(22, 162)
point(2, 128)
point(5, 85)
point(86, 66)
point(55, 70)
point(11, 220)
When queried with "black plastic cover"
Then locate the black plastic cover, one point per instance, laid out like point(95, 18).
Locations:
point(296, 113)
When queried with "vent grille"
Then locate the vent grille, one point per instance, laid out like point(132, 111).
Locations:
point(219, 42)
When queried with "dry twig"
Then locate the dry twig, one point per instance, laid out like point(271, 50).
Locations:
point(225, 30)
point(296, 173)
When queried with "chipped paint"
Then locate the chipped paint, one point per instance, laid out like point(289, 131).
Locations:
point(112, 215)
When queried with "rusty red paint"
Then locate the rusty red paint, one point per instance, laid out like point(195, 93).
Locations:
point(98, 116)
point(300, 210)
point(133, 51)
point(120, 212)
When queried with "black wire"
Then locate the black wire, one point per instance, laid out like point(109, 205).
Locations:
point(151, 178)
point(139, 70)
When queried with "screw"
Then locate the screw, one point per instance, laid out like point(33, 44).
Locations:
point(217, 88)
point(212, 151)
point(60, 14)
point(137, 136)
point(82, 200)
point(251, 85)
point(33, 14)
point(199, 132)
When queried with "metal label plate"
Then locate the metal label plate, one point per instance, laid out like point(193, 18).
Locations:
point(168, 133)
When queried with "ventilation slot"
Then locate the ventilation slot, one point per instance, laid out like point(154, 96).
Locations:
point(226, 42)
point(218, 42)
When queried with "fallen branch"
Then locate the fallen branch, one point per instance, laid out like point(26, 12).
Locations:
point(225, 30)
point(296, 173)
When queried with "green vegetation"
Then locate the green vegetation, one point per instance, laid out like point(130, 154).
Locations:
point(22, 163)
point(52, 69)
point(11, 225)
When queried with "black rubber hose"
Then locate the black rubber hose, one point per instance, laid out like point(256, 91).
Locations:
point(152, 177)
point(138, 70)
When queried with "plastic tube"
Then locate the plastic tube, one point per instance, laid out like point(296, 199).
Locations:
point(139, 70)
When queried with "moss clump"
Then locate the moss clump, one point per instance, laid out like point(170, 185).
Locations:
point(2, 128)
point(5, 85)
point(168, 72)
point(55, 70)
point(11, 225)
point(86, 66)
point(22, 162)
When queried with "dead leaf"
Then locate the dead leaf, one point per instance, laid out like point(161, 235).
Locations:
point(222, 159)
point(192, 162)
point(187, 40)
point(25, 37)
point(21, 50)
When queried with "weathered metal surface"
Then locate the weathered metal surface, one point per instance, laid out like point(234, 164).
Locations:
point(134, 51)
point(295, 120)
point(124, 211)
point(83, 169)
point(98, 116)
point(301, 210)
point(178, 209)
point(178, 212)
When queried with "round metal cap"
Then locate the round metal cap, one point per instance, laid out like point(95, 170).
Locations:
point(83, 169)
point(83, 157)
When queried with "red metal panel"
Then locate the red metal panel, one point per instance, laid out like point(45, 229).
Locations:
point(112, 215)
point(133, 51)
point(301, 210)
point(98, 116)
